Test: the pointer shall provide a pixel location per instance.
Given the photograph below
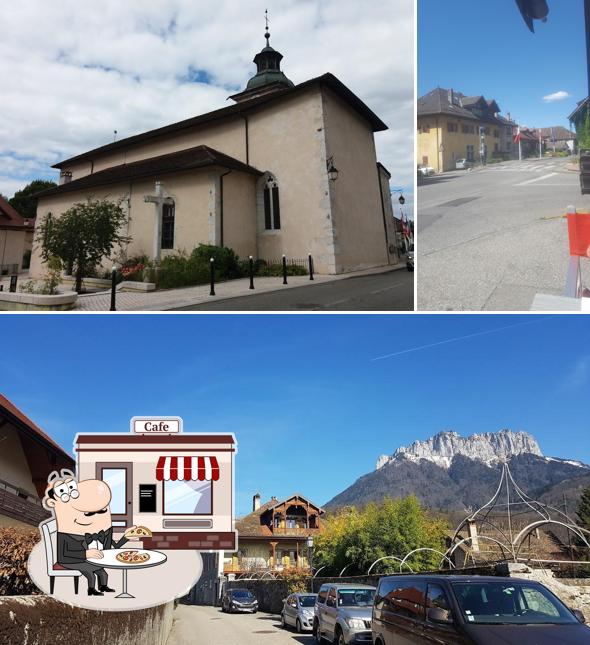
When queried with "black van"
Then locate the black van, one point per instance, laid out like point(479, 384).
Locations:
point(476, 610)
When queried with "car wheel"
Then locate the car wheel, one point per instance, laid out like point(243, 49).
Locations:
point(298, 626)
point(316, 632)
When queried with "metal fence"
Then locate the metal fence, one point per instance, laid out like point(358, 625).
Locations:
point(291, 262)
point(8, 269)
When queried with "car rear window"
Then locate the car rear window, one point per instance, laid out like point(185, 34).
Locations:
point(403, 597)
point(510, 602)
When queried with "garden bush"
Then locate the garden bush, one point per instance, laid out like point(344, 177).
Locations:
point(16, 545)
point(227, 263)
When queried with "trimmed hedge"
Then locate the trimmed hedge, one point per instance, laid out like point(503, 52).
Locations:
point(16, 544)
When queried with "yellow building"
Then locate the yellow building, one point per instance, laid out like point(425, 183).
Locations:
point(452, 126)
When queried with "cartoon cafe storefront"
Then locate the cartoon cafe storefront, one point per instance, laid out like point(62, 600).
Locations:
point(179, 485)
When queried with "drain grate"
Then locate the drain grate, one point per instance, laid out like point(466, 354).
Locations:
point(459, 202)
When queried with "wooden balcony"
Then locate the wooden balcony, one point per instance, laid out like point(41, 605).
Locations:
point(21, 505)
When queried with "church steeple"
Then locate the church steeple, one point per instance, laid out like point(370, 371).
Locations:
point(269, 76)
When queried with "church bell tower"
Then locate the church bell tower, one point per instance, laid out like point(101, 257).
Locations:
point(268, 77)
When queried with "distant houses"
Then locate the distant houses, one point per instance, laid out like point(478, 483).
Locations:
point(16, 239)
point(453, 126)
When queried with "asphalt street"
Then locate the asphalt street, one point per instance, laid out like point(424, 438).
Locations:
point(491, 238)
point(209, 626)
point(389, 291)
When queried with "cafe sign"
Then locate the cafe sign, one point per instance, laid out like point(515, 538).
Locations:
point(156, 425)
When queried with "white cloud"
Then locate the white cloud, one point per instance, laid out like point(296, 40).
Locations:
point(78, 69)
point(578, 374)
point(556, 96)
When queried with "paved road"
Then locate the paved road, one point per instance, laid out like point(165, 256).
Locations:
point(491, 239)
point(390, 291)
point(208, 626)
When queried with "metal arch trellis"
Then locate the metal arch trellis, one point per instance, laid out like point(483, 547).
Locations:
point(519, 504)
point(425, 548)
point(386, 557)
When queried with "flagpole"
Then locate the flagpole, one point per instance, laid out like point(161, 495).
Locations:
point(540, 154)
point(519, 145)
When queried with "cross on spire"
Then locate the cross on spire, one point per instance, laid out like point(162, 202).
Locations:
point(267, 33)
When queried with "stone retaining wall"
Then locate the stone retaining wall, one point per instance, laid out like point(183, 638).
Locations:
point(40, 620)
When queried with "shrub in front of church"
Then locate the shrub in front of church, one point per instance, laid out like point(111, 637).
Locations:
point(83, 236)
point(227, 263)
point(180, 270)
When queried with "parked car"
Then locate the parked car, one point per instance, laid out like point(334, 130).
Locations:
point(298, 611)
point(342, 613)
point(410, 258)
point(239, 600)
point(463, 164)
point(478, 610)
point(425, 171)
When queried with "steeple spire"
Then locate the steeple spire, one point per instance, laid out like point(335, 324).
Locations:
point(268, 77)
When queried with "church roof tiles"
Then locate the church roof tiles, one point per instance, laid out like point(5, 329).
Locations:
point(327, 80)
point(190, 159)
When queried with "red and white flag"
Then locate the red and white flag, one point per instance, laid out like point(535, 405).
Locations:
point(517, 136)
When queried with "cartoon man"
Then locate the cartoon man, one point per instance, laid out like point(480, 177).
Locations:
point(81, 510)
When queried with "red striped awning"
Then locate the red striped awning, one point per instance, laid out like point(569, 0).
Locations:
point(187, 468)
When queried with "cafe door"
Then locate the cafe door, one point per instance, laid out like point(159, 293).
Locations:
point(119, 477)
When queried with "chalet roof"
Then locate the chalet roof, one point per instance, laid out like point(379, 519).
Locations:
point(21, 421)
point(443, 101)
point(190, 159)
point(579, 107)
point(10, 218)
point(243, 107)
point(250, 525)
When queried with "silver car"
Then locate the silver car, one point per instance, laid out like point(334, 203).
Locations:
point(298, 611)
point(342, 613)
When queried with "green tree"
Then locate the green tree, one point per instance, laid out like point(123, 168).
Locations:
point(82, 236)
point(25, 202)
point(584, 509)
point(394, 527)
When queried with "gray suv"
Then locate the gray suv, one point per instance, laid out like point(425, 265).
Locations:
point(342, 613)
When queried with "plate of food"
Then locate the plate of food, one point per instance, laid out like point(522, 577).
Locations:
point(138, 532)
point(133, 557)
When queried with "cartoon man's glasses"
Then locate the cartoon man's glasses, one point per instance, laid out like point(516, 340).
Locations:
point(65, 491)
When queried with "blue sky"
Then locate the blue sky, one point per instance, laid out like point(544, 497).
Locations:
point(486, 48)
point(311, 409)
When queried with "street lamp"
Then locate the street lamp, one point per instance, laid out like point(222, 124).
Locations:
point(332, 170)
point(401, 200)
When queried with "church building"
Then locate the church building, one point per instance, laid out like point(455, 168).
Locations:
point(285, 169)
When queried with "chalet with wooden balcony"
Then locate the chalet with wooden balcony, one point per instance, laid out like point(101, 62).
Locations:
point(273, 537)
point(27, 457)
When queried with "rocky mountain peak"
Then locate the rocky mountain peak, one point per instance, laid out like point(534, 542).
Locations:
point(488, 447)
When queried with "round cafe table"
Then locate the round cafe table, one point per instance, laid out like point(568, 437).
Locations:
point(109, 561)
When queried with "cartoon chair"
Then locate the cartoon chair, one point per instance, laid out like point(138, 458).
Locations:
point(54, 569)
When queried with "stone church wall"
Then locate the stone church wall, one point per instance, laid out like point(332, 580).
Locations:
point(356, 203)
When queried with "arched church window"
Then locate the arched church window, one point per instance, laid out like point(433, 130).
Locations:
point(168, 226)
point(272, 211)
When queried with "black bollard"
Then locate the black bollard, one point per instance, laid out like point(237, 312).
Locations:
point(251, 273)
point(212, 262)
point(284, 270)
point(13, 279)
point(310, 262)
point(113, 289)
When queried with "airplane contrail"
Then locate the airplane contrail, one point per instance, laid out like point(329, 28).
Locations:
point(454, 340)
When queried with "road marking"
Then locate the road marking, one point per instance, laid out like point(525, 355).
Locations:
point(532, 181)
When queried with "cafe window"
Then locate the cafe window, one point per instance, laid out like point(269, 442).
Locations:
point(188, 497)
point(452, 127)
point(168, 226)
